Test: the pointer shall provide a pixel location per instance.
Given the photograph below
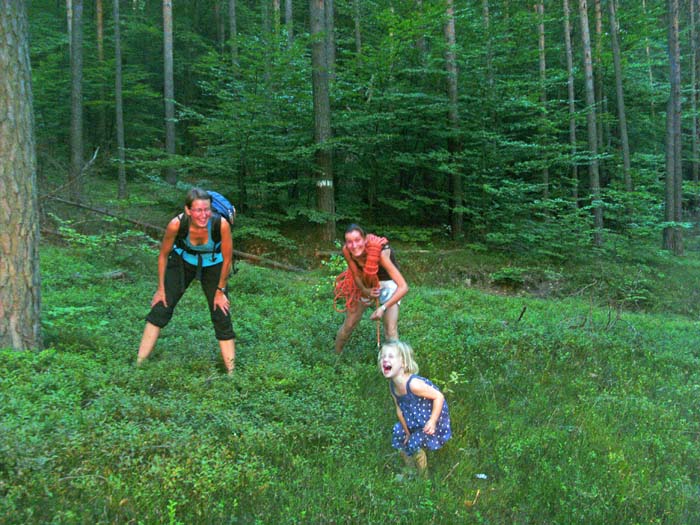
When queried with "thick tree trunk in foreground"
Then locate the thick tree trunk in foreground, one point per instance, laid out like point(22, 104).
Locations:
point(325, 198)
point(20, 289)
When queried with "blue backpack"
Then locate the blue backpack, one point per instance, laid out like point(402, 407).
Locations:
point(221, 208)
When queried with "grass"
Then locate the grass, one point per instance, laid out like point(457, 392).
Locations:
point(565, 410)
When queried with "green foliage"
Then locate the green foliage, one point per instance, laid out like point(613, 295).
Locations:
point(561, 412)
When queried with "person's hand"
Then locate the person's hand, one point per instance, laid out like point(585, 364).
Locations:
point(405, 441)
point(159, 297)
point(221, 301)
point(429, 427)
point(377, 314)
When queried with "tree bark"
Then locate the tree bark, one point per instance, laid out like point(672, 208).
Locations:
point(695, 65)
point(233, 32)
point(76, 128)
point(619, 89)
point(593, 173)
point(101, 113)
point(118, 102)
point(572, 100)
point(20, 285)
point(322, 120)
point(289, 22)
point(169, 88)
point(453, 145)
point(539, 7)
point(672, 237)
point(358, 20)
point(329, 19)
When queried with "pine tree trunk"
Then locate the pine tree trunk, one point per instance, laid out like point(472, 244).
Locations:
point(593, 174)
point(169, 88)
point(539, 7)
point(453, 146)
point(672, 237)
point(289, 22)
point(572, 100)
point(329, 16)
point(20, 285)
point(234, 33)
point(358, 33)
point(101, 113)
point(76, 128)
point(118, 102)
point(322, 120)
point(621, 115)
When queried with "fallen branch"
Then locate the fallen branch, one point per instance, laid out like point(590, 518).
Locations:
point(160, 230)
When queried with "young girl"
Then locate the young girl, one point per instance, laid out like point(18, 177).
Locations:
point(424, 419)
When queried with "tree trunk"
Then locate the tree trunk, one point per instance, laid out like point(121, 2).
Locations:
point(593, 174)
point(695, 65)
point(572, 100)
point(358, 33)
point(329, 19)
point(322, 120)
point(650, 73)
point(539, 7)
point(101, 114)
point(624, 140)
point(20, 285)
point(234, 33)
point(276, 17)
point(76, 128)
point(672, 238)
point(489, 44)
point(69, 22)
point(220, 25)
point(169, 89)
point(453, 146)
point(289, 22)
point(598, 74)
point(118, 103)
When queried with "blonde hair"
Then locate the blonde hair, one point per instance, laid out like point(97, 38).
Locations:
point(404, 350)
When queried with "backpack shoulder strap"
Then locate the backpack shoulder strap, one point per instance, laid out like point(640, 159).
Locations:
point(216, 228)
point(184, 227)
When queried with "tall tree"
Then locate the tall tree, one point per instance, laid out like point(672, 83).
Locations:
point(672, 237)
point(76, 128)
point(118, 102)
point(169, 88)
point(325, 199)
point(571, 93)
point(539, 8)
point(101, 115)
point(593, 173)
point(233, 31)
point(358, 27)
point(453, 144)
point(289, 21)
point(20, 287)
point(329, 31)
point(620, 93)
point(695, 65)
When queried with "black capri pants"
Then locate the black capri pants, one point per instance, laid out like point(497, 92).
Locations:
point(178, 276)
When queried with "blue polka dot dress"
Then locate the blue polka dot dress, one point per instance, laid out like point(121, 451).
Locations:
point(416, 411)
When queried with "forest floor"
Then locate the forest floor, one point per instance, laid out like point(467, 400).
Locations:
point(573, 389)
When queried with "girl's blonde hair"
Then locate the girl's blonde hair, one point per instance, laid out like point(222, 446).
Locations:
point(404, 350)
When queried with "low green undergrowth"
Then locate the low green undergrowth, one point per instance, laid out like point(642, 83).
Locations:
point(563, 411)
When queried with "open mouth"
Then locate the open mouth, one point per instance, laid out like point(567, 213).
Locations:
point(386, 368)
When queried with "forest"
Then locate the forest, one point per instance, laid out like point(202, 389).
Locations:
point(535, 166)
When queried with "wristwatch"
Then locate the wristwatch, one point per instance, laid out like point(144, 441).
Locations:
point(221, 289)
